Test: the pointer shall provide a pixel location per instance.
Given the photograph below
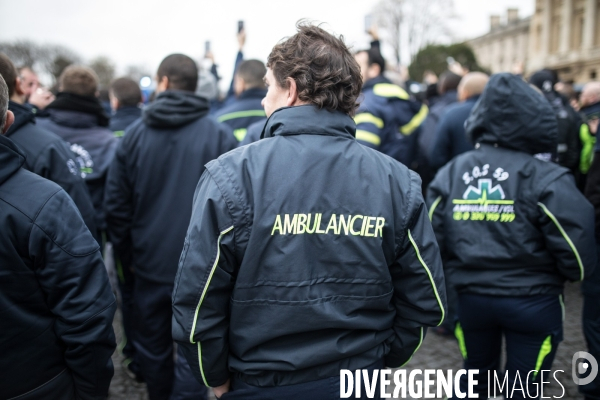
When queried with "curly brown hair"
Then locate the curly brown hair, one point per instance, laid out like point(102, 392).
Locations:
point(325, 71)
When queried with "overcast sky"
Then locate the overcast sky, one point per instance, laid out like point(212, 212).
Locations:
point(143, 32)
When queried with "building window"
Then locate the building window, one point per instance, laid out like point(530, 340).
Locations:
point(593, 74)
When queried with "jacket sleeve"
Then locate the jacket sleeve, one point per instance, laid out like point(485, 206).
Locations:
point(70, 272)
point(118, 204)
point(592, 188)
point(56, 164)
point(229, 142)
point(566, 219)
point(203, 286)
point(369, 128)
point(418, 278)
point(437, 195)
point(441, 149)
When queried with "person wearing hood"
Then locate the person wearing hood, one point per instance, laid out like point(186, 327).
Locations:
point(149, 193)
point(511, 229)
point(77, 116)
point(125, 99)
point(46, 154)
point(568, 150)
point(57, 305)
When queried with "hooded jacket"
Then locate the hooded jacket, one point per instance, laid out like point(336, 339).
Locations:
point(56, 302)
point(306, 253)
point(243, 112)
point(507, 223)
point(48, 156)
point(151, 181)
point(92, 142)
point(388, 120)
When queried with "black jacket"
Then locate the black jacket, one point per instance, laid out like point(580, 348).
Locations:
point(243, 112)
point(507, 223)
point(122, 118)
point(49, 156)
point(151, 181)
point(93, 144)
point(56, 303)
point(306, 253)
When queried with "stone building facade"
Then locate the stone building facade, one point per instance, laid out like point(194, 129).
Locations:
point(563, 35)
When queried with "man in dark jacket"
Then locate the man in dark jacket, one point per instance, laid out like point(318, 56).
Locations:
point(450, 138)
point(568, 150)
point(512, 229)
point(125, 99)
point(78, 118)
point(254, 132)
point(307, 252)
point(249, 89)
point(46, 154)
point(388, 118)
point(57, 306)
point(149, 195)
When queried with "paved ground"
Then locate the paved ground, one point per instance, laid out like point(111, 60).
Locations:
point(436, 353)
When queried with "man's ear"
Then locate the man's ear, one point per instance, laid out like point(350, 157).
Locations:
point(18, 89)
point(10, 118)
point(163, 84)
point(292, 98)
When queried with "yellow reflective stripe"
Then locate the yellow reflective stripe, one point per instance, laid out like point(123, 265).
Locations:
point(433, 206)
point(240, 134)
point(390, 90)
point(368, 118)
point(419, 345)
point(368, 137)
point(416, 121)
point(437, 296)
point(544, 351)
point(562, 306)
point(242, 114)
point(567, 238)
point(460, 336)
point(118, 134)
point(212, 271)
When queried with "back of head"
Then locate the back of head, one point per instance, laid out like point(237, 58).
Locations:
point(448, 81)
point(9, 73)
point(472, 84)
point(181, 71)
point(544, 80)
point(79, 80)
point(252, 72)
point(127, 91)
point(325, 72)
point(3, 103)
point(514, 115)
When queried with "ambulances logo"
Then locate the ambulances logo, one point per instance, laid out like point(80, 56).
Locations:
point(485, 201)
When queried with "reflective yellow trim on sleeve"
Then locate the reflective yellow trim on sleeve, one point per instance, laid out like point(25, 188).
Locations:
point(419, 345)
point(242, 114)
point(368, 137)
point(567, 238)
point(212, 271)
point(437, 296)
point(433, 206)
point(390, 90)
point(240, 134)
point(367, 118)
point(416, 121)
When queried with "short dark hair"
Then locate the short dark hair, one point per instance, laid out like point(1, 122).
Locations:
point(9, 73)
point(325, 72)
point(127, 91)
point(4, 96)
point(181, 70)
point(252, 72)
point(448, 81)
point(79, 80)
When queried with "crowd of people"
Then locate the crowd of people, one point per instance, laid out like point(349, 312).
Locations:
point(317, 217)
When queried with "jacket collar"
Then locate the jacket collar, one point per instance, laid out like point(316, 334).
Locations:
point(375, 81)
point(23, 116)
point(308, 119)
point(254, 93)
